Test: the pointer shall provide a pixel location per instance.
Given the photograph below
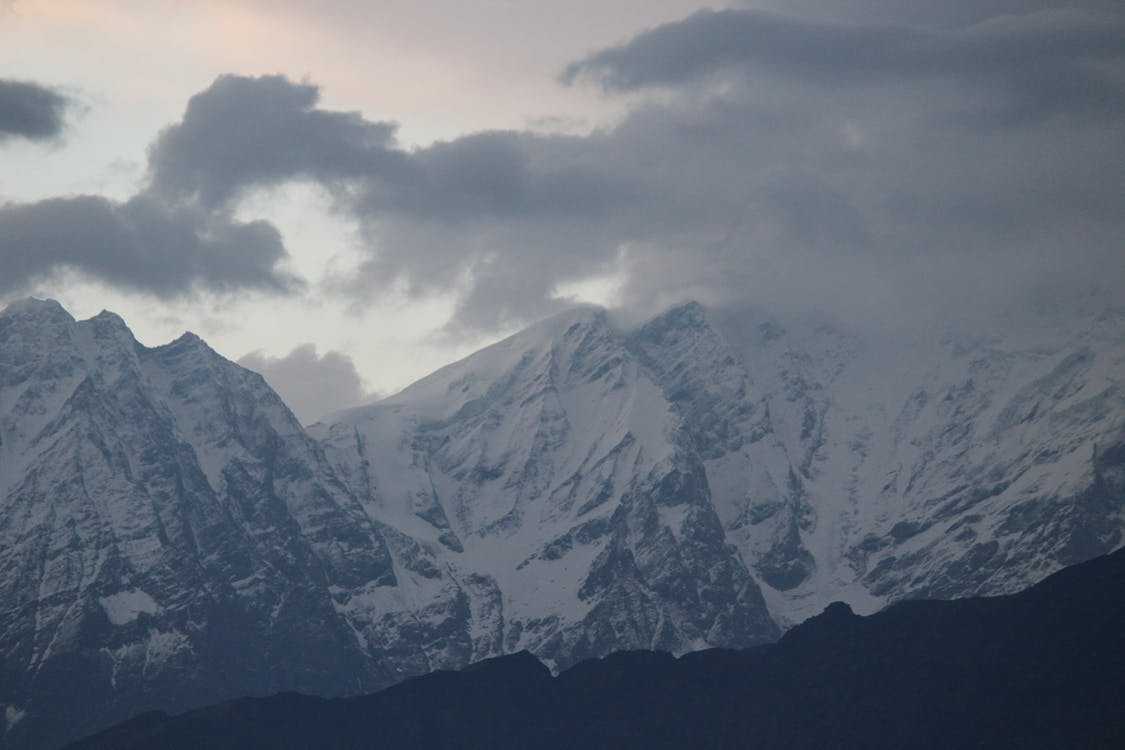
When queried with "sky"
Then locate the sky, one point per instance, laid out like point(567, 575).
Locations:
point(347, 195)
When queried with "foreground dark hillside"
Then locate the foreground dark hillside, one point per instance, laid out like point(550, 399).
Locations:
point(1043, 668)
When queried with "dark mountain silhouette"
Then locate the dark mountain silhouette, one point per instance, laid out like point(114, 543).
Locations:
point(1042, 668)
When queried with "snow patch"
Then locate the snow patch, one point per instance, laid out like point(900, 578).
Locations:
point(13, 716)
point(163, 645)
point(673, 517)
point(148, 656)
point(125, 606)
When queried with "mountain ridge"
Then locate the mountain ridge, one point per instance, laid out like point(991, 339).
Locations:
point(704, 479)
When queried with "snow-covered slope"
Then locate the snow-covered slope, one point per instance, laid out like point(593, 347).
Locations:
point(838, 467)
point(548, 472)
point(870, 470)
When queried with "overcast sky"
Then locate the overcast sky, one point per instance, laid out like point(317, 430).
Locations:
point(354, 193)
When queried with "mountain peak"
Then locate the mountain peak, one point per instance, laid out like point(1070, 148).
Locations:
point(188, 339)
point(106, 320)
point(46, 309)
point(560, 323)
point(109, 316)
point(498, 361)
point(687, 311)
point(684, 317)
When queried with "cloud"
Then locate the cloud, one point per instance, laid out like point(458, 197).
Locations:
point(946, 15)
point(500, 211)
point(29, 110)
point(312, 385)
point(141, 245)
point(1044, 62)
point(880, 171)
point(245, 132)
point(165, 241)
point(861, 167)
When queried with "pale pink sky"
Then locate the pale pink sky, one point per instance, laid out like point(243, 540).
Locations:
point(440, 68)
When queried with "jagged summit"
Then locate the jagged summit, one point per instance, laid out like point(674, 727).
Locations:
point(685, 314)
point(36, 307)
point(38, 310)
point(549, 338)
point(543, 341)
point(188, 339)
point(109, 318)
point(584, 314)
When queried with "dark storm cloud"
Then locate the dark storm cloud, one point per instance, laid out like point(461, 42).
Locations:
point(244, 132)
point(945, 14)
point(1046, 61)
point(140, 245)
point(168, 242)
point(863, 168)
point(312, 385)
point(504, 212)
point(31, 111)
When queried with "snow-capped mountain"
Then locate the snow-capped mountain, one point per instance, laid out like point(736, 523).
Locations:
point(834, 466)
point(548, 482)
point(171, 536)
point(168, 533)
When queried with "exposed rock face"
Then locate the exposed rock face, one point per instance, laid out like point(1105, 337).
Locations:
point(170, 535)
